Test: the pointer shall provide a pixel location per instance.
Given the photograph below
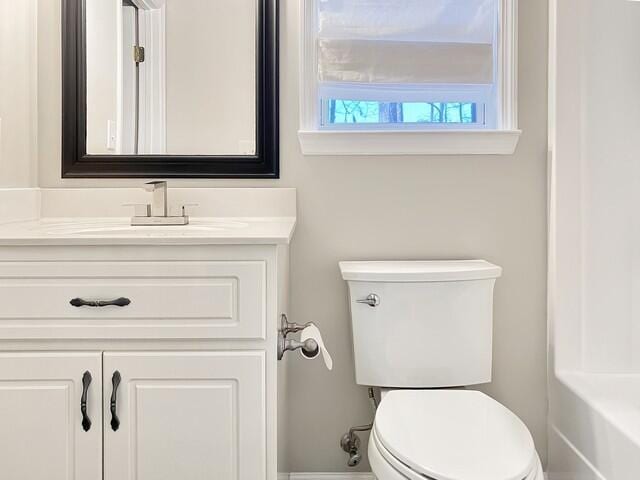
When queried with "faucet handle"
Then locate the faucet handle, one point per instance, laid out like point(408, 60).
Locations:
point(139, 209)
point(184, 207)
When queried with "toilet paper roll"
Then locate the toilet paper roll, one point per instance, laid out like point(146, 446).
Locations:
point(313, 332)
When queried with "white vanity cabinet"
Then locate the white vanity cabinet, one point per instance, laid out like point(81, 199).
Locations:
point(41, 433)
point(193, 348)
point(191, 415)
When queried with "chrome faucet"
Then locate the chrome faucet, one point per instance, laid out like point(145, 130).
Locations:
point(159, 206)
point(157, 212)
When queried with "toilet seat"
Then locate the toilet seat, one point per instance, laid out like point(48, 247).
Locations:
point(450, 435)
point(386, 467)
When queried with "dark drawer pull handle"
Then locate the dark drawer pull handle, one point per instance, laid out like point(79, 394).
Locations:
point(86, 421)
point(118, 302)
point(115, 381)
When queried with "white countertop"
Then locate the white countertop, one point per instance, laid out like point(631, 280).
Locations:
point(118, 231)
point(98, 216)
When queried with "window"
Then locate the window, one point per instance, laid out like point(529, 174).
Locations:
point(417, 74)
point(340, 113)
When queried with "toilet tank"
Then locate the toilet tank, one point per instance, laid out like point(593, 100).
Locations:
point(423, 324)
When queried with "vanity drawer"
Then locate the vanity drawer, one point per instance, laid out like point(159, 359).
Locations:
point(208, 299)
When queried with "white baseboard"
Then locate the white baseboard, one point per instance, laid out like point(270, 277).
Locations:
point(326, 476)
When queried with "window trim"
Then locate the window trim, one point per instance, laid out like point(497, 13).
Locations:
point(318, 140)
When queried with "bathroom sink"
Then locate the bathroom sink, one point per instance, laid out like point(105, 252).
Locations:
point(116, 227)
point(118, 231)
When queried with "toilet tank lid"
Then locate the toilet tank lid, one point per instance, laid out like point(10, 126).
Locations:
point(419, 271)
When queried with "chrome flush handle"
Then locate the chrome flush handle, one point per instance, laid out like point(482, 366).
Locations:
point(372, 300)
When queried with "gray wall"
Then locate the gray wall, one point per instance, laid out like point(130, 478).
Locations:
point(388, 208)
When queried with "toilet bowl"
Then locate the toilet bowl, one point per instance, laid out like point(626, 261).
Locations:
point(419, 329)
point(450, 435)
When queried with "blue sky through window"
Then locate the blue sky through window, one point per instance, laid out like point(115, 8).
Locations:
point(372, 112)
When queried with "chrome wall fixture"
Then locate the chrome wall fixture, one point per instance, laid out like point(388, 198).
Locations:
point(309, 347)
point(350, 441)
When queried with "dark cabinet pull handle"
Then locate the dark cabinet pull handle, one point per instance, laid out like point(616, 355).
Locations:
point(118, 302)
point(115, 381)
point(86, 421)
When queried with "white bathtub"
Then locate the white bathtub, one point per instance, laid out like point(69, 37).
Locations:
point(594, 240)
point(595, 427)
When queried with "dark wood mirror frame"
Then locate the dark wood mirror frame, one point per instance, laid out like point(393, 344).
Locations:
point(76, 163)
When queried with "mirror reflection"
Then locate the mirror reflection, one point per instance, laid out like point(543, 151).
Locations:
point(171, 77)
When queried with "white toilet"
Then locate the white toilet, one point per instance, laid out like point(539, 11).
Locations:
point(420, 328)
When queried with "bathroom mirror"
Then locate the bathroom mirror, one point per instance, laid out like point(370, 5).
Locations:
point(170, 88)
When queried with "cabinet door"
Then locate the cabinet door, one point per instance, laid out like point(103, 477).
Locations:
point(42, 434)
point(191, 416)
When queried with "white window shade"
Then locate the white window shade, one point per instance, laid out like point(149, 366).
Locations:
point(418, 42)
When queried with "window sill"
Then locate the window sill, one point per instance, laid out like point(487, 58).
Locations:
point(443, 142)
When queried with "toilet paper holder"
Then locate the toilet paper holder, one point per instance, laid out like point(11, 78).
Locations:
point(309, 347)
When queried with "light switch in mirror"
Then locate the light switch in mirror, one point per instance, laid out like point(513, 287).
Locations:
point(171, 77)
